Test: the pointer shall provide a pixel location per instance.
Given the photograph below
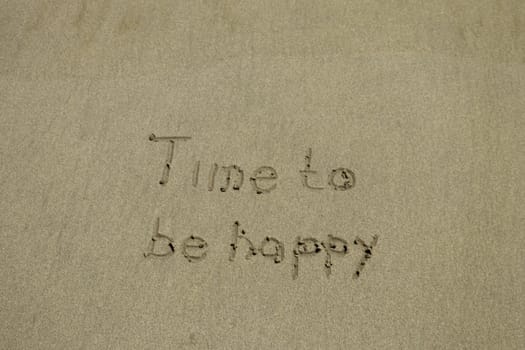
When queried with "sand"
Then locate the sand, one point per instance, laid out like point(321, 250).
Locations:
point(407, 118)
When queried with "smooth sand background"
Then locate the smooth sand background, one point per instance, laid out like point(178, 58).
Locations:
point(424, 100)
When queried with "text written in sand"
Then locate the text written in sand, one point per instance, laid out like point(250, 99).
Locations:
point(264, 180)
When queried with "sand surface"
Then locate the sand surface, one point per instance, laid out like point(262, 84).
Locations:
point(411, 115)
